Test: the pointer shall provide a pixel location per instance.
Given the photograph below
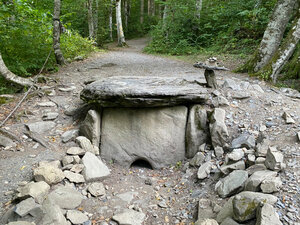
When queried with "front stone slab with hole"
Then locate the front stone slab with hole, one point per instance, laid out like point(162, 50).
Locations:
point(145, 118)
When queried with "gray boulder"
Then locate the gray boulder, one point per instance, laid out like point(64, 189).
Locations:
point(156, 135)
point(287, 117)
point(226, 211)
point(205, 210)
point(274, 160)
point(90, 127)
point(235, 155)
point(76, 217)
point(254, 181)
point(204, 170)
point(25, 206)
point(74, 177)
point(76, 151)
point(66, 197)
point(244, 140)
point(218, 130)
point(254, 168)
point(232, 183)
point(206, 222)
point(198, 159)
point(129, 217)
point(271, 185)
point(229, 83)
point(53, 214)
point(226, 169)
point(94, 168)
point(21, 223)
point(266, 215)
point(96, 189)
point(38, 191)
point(125, 91)
point(49, 174)
point(262, 148)
point(246, 203)
point(229, 221)
point(40, 127)
point(196, 130)
point(86, 144)
point(50, 116)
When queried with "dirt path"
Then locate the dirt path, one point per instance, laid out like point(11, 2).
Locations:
point(180, 190)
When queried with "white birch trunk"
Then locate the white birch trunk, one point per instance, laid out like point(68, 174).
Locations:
point(198, 8)
point(111, 20)
point(286, 51)
point(142, 11)
point(121, 37)
point(165, 15)
point(90, 19)
point(11, 77)
point(274, 32)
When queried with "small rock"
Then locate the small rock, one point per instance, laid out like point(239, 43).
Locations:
point(246, 203)
point(130, 217)
point(94, 169)
point(50, 116)
point(226, 169)
point(198, 159)
point(240, 95)
point(55, 163)
point(219, 152)
point(229, 221)
point(49, 174)
point(271, 185)
point(85, 144)
point(222, 101)
point(205, 210)
point(254, 181)
point(206, 222)
point(25, 206)
point(235, 155)
point(288, 119)
point(6, 142)
point(260, 160)
point(226, 211)
point(75, 151)
point(77, 168)
point(232, 183)
point(76, 217)
point(244, 140)
point(257, 88)
point(66, 197)
point(74, 177)
point(46, 104)
point(96, 189)
point(67, 160)
point(274, 160)
point(69, 135)
point(67, 89)
point(162, 204)
point(266, 214)
point(37, 190)
point(251, 159)
point(204, 170)
point(229, 83)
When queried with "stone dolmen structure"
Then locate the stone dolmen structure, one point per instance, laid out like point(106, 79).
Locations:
point(160, 120)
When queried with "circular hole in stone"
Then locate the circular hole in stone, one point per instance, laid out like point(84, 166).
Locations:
point(141, 163)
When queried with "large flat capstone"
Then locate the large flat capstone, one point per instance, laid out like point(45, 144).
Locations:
point(139, 92)
point(156, 135)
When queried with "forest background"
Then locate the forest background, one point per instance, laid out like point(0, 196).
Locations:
point(176, 27)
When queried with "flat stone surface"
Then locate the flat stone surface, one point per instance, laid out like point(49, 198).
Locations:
point(153, 134)
point(129, 217)
point(25, 206)
point(74, 177)
point(96, 189)
point(66, 197)
point(40, 127)
point(76, 217)
point(37, 190)
point(130, 91)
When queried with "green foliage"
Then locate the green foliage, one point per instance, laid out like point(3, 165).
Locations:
point(225, 26)
point(26, 39)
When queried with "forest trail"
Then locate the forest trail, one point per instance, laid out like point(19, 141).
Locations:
point(178, 190)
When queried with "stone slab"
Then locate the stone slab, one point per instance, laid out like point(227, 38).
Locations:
point(130, 91)
point(153, 134)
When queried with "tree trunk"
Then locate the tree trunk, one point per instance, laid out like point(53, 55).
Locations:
point(111, 20)
point(198, 8)
point(287, 49)
point(121, 37)
point(152, 7)
point(56, 33)
point(11, 77)
point(274, 32)
point(165, 15)
point(149, 7)
point(90, 19)
point(142, 12)
point(127, 12)
point(96, 20)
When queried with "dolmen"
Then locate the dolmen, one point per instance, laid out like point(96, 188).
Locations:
point(160, 120)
